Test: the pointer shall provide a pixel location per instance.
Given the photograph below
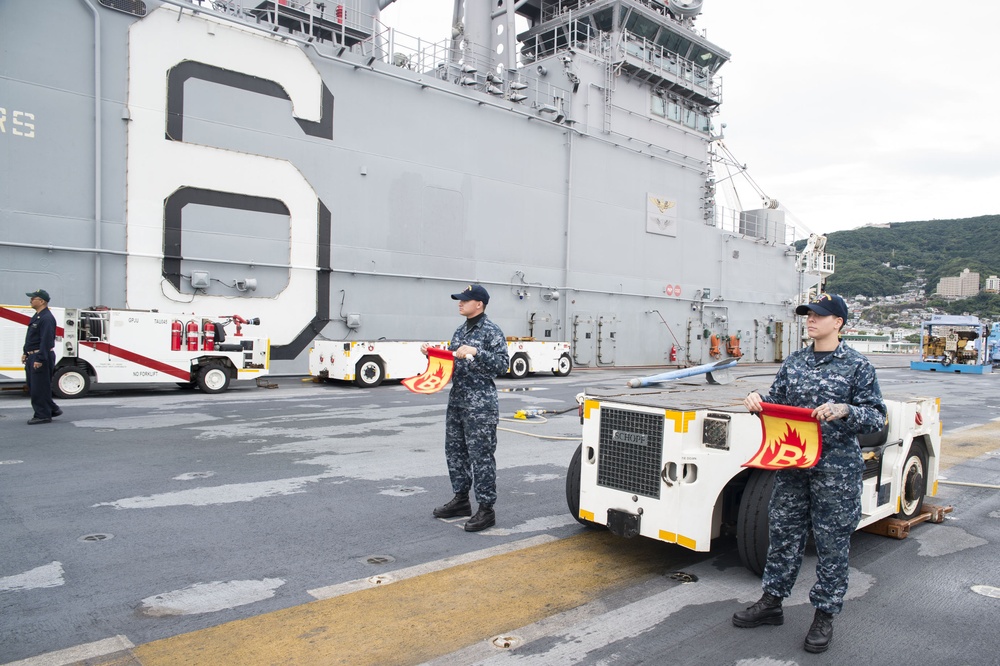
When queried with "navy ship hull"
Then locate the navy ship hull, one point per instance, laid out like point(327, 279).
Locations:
point(220, 159)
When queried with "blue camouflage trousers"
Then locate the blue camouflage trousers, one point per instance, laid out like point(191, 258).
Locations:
point(829, 501)
point(470, 442)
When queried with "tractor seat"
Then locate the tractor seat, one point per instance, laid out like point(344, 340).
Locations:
point(874, 440)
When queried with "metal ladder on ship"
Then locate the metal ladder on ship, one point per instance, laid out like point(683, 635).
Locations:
point(609, 81)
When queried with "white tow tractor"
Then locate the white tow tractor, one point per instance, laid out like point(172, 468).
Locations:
point(667, 465)
point(528, 356)
point(368, 364)
point(112, 346)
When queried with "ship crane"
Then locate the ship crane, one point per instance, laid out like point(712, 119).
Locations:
point(813, 259)
point(729, 160)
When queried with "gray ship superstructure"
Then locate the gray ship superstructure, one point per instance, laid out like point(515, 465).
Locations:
point(302, 163)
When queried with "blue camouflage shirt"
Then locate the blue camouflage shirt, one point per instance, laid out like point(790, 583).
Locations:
point(472, 379)
point(843, 376)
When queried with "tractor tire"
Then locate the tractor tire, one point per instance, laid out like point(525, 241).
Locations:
point(914, 482)
point(752, 537)
point(369, 372)
point(519, 366)
point(573, 488)
point(564, 366)
point(70, 381)
point(213, 378)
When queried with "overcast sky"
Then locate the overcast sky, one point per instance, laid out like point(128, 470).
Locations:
point(848, 113)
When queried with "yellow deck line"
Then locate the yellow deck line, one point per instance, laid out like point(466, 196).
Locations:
point(425, 617)
point(958, 447)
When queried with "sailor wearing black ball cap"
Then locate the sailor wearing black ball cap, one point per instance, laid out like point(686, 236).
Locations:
point(470, 441)
point(840, 387)
point(39, 358)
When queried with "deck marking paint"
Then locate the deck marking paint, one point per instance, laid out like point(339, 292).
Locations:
point(623, 623)
point(967, 443)
point(146, 421)
point(420, 618)
point(335, 445)
point(438, 565)
point(592, 630)
point(987, 591)
point(227, 494)
point(533, 525)
point(48, 575)
point(190, 476)
point(77, 653)
point(210, 597)
point(531, 478)
point(402, 491)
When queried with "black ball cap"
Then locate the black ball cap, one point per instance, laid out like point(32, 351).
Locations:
point(473, 292)
point(825, 305)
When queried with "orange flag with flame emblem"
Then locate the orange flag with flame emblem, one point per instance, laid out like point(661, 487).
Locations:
point(792, 438)
point(440, 364)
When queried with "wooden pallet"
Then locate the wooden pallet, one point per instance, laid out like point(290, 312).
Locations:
point(898, 528)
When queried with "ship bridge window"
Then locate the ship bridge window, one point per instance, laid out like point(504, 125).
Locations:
point(604, 20)
point(673, 42)
point(665, 108)
point(641, 26)
point(705, 58)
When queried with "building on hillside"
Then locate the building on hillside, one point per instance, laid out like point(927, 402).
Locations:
point(963, 286)
point(992, 284)
point(878, 344)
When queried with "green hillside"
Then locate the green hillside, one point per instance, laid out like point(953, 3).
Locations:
point(929, 250)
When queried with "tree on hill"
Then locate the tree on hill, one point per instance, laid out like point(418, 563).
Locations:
point(934, 248)
point(982, 305)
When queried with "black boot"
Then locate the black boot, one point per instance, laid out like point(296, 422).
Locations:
point(458, 506)
point(484, 518)
point(820, 633)
point(766, 611)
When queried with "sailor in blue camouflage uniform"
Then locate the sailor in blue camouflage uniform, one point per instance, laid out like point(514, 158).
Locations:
point(473, 411)
point(840, 385)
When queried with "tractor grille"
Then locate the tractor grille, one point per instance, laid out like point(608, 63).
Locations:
point(630, 451)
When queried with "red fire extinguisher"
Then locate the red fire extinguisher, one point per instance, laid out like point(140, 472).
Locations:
point(175, 335)
point(209, 329)
point(673, 353)
point(192, 335)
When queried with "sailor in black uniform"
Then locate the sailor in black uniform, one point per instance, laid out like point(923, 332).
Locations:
point(39, 358)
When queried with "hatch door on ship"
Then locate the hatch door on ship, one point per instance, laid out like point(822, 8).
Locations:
point(583, 338)
point(779, 341)
point(695, 341)
point(540, 326)
point(607, 330)
point(761, 335)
